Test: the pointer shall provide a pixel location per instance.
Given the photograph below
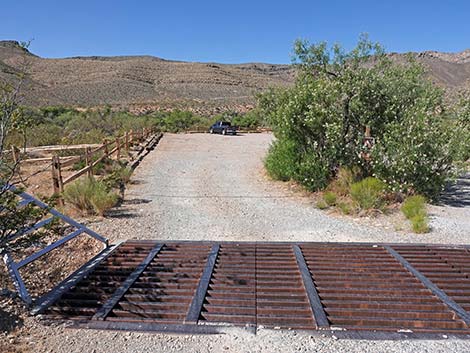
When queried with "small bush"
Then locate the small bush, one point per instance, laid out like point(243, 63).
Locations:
point(250, 120)
point(103, 200)
point(329, 198)
point(79, 194)
point(79, 165)
point(118, 177)
point(368, 193)
point(98, 169)
point(280, 161)
point(322, 205)
point(345, 208)
point(124, 174)
point(413, 206)
point(344, 179)
point(90, 196)
point(419, 223)
point(177, 121)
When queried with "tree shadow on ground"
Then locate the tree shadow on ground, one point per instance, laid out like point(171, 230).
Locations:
point(137, 182)
point(457, 194)
point(119, 213)
point(9, 321)
point(136, 201)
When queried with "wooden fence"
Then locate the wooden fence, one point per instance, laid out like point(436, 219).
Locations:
point(121, 147)
point(107, 149)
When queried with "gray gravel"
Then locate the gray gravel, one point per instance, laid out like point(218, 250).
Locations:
point(213, 187)
point(209, 187)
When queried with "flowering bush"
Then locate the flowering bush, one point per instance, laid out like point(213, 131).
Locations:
point(337, 97)
point(416, 155)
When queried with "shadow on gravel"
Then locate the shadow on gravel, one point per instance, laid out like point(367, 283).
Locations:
point(9, 321)
point(121, 214)
point(136, 201)
point(137, 182)
point(457, 194)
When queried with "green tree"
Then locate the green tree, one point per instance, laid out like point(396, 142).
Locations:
point(340, 95)
point(12, 118)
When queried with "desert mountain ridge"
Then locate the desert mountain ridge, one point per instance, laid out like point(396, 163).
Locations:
point(145, 82)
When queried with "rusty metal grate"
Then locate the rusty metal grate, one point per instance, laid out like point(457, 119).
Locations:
point(199, 286)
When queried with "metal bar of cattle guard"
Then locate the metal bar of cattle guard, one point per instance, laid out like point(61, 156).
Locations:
point(198, 299)
point(318, 311)
point(50, 298)
point(104, 311)
point(461, 312)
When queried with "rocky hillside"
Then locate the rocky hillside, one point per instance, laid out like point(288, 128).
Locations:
point(148, 83)
point(449, 70)
point(143, 82)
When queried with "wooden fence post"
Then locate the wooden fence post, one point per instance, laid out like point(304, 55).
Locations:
point(105, 144)
point(88, 161)
point(131, 136)
point(127, 141)
point(118, 148)
point(57, 182)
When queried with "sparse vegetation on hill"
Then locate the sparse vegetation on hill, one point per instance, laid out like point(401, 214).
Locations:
point(62, 125)
point(205, 88)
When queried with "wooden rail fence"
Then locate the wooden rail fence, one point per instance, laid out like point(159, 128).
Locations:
point(91, 154)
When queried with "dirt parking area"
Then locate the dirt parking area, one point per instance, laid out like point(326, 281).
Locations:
point(213, 187)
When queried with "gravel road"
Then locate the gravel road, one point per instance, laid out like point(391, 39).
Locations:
point(211, 187)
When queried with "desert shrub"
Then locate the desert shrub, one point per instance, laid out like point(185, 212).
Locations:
point(413, 206)
point(345, 208)
point(339, 95)
point(53, 125)
point(345, 177)
point(79, 165)
point(89, 196)
point(330, 198)
point(43, 135)
point(322, 205)
point(177, 121)
point(280, 161)
point(102, 199)
point(250, 120)
point(368, 193)
point(420, 223)
point(120, 176)
point(79, 194)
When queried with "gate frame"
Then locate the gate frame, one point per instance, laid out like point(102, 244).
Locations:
point(14, 267)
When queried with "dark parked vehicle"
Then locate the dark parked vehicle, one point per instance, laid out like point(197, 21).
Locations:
point(223, 127)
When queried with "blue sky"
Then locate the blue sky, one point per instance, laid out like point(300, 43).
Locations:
point(230, 31)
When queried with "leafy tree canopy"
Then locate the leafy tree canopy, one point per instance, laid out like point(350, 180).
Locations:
point(339, 98)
